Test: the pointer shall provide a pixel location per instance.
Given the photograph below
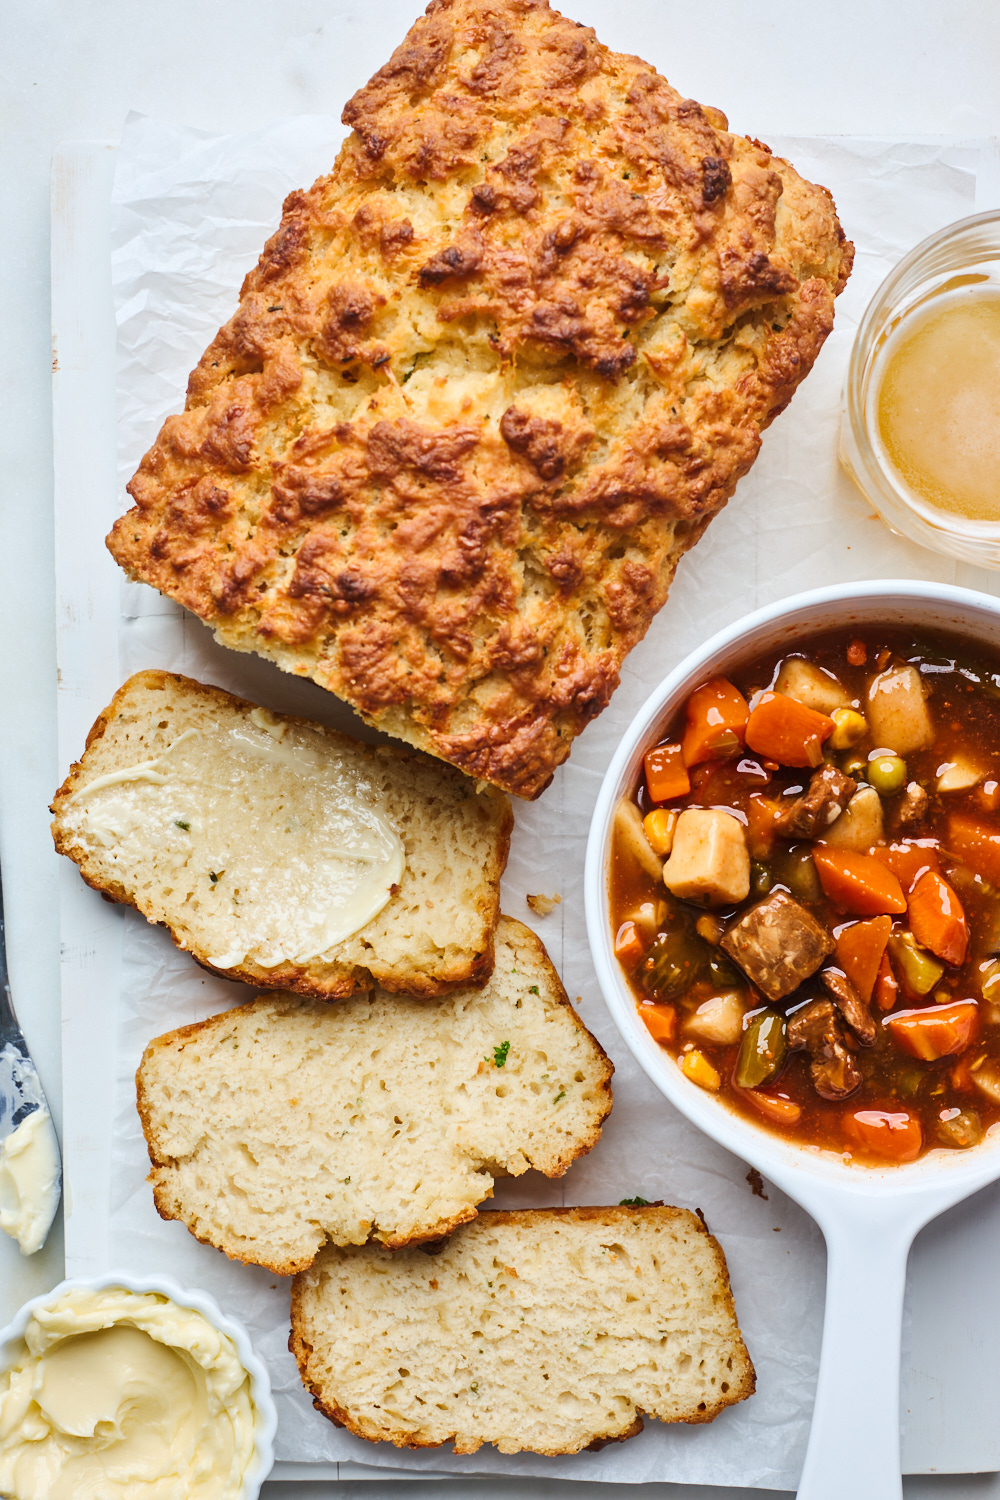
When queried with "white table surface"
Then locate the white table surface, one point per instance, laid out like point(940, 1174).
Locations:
point(72, 69)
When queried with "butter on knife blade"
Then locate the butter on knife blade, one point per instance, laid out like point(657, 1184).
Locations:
point(30, 1165)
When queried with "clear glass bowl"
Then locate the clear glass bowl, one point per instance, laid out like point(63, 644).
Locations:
point(965, 254)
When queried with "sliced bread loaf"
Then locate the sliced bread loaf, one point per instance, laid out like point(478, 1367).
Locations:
point(280, 852)
point(549, 1331)
point(287, 1122)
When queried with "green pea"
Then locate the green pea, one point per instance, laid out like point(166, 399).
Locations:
point(960, 1128)
point(763, 1050)
point(887, 774)
point(760, 878)
point(854, 765)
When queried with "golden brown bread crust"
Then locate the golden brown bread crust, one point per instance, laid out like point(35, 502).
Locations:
point(744, 1384)
point(489, 380)
point(317, 980)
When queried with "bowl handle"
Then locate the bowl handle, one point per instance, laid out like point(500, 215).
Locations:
point(854, 1438)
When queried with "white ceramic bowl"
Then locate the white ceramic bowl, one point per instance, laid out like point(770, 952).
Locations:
point(265, 1416)
point(869, 1215)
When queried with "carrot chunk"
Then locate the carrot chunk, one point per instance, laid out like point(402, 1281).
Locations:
point(788, 732)
point(782, 1111)
point(886, 985)
point(860, 949)
point(762, 817)
point(908, 859)
point(936, 1030)
point(858, 883)
point(977, 843)
point(894, 1134)
point(666, 773)
point(717, 716)
point(937, 919)
point(628, 944)
point(660, 1021)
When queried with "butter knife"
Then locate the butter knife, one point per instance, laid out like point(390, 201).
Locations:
point(30, 1164)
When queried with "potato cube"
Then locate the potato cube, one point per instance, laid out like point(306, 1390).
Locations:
point(811, 685)
point(709, 860)
point(860, 825)
point(958, 775)
point(897, 711)
point(718, 1019)
point(632, 838)
point(987, 1080)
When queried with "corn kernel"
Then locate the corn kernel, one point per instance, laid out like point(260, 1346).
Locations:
point(696, 1066)
point(710, 928)
point(849, 728)
point(659, 829)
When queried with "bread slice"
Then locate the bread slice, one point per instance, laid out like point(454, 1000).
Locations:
point(490, 378)
point(287, 1122)
point(549, 1331)
point(260, 839)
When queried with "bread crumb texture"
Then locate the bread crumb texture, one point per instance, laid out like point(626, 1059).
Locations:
point(547, 1331)
point(490, 378)
point(287, 1122)
point(224, 826)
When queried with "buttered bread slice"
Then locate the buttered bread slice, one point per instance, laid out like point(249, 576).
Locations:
point(285, 1123)
point(280, 852)
point(546, 1331)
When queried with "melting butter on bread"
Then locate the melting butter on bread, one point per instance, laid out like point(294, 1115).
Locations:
point(283, 853)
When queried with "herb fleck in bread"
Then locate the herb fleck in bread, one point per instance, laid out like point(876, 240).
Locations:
point(287, 1122)
point(226, 829)
point(491, 377)
point(549, 1331)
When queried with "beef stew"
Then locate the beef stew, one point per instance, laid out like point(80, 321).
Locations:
point(805, 892)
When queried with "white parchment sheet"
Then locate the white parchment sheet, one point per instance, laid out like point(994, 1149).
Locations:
point(190, 216)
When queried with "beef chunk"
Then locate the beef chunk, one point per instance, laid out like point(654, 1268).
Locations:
point(912, 806)
point(851, 1006)
point(777, 944)
point(812, 813)
point(816, 1030)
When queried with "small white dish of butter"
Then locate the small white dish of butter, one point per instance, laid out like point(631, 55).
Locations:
point(133, 1386)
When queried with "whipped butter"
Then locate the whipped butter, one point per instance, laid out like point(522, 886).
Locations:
point(117, 1395)
point(30, 1177)
point(278, 840)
